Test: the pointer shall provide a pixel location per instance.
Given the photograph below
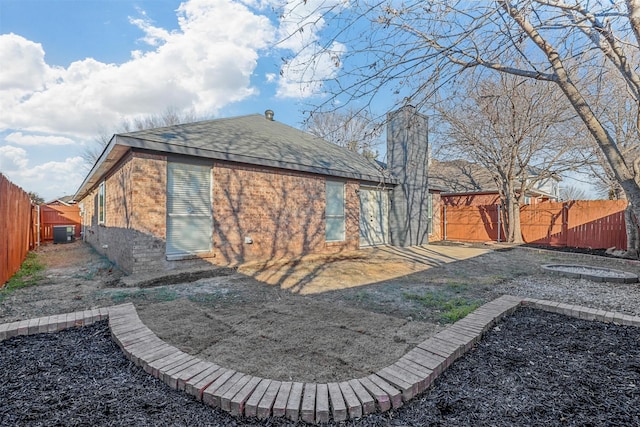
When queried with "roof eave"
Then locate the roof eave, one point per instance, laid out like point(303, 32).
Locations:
point(164, 147)
point(101, 167)
point(107, 160)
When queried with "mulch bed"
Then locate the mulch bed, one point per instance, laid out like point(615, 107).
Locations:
point(534, 368)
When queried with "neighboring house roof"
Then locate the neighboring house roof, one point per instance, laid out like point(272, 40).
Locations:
point(460, 176)
point(65, 200)
point(464, 178)
point(249, 139)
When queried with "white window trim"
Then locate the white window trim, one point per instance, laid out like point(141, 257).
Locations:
point(102, 204)
point(343, 216)
point(204, 253)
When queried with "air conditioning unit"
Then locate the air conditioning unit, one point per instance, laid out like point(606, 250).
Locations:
point(64, 233)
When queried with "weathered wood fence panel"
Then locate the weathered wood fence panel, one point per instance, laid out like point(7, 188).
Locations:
point(471, 223)
point(544, 223)
point(16, 231)
point(581, 224)
point(53, 215)
point(597, 224)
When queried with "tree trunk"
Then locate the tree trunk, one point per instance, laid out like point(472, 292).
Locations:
point(512, 219)
point(516, 227)
point(606, 143)
point(631, 224)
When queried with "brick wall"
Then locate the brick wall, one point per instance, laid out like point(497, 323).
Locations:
point(150, 194)
point(110, 238)
point(134, 229)
point(281, 212)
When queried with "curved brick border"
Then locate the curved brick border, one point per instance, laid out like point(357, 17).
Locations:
point(594, 275)
point(582, 312)
point(243, 394)
point(53, 323)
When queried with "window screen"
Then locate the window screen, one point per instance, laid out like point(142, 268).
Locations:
point(189, 215)
point(334, 214)
point(101, 207)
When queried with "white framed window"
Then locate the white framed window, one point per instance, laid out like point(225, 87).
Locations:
point(334, 211)
point(189, 210)
point(101, 204)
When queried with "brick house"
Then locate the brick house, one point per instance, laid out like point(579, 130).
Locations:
point(249, 188)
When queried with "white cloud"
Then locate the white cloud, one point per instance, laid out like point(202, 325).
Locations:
point(263, 4)
point(203, 65)
point(304, 75)
point(312, 62)
point(49, 180)
point(23, 66)
point(154, 36)
point(19, 138)
point(12, 158)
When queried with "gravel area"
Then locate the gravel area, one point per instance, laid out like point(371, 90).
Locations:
point(534, 368)
point(580, 269)
point(621, 297)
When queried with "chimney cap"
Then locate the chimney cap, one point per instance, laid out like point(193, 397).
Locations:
point(268, 114)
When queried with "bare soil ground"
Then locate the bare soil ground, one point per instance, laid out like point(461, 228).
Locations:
point(533, 368)
point(334, 333)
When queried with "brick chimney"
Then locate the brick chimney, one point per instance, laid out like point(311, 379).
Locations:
point(407, 156)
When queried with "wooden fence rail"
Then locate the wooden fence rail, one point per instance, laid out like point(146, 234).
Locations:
point(16, 230)
point(592, 224)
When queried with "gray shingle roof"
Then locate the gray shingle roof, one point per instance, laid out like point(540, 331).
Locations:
point(460, 176)
point(247, 139)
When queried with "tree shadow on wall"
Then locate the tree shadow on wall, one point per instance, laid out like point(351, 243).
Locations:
point(270, 223)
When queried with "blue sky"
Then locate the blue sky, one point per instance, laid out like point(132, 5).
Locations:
point(72, 70)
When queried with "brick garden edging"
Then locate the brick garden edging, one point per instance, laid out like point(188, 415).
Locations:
point(55, 323)
point(246, 395)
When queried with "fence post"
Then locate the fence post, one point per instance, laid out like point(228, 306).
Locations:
point(499, 223)
point(38, 225)
point(444, 222)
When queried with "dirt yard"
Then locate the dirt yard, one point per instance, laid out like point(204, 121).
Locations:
point(308, 329)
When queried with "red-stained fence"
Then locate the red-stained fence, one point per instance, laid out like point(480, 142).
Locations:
point(57, 214)
point(16, 228)
point(580, 224)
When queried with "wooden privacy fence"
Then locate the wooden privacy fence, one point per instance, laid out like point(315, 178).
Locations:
point(581, 224)
point(58, 214)
point(16, 228)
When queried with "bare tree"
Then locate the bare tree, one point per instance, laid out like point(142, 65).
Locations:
point(521, 132)
point(414, 48)
point(170, 117)
point(35, 198)
point(355, 130)
point(571, 192)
